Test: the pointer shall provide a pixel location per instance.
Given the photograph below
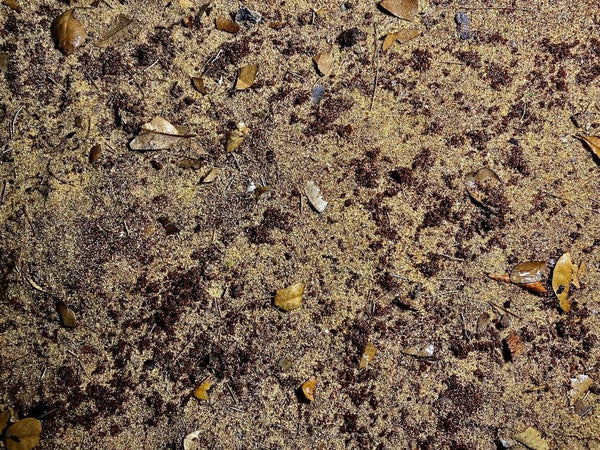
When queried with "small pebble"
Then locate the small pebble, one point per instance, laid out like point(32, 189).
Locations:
point(462, 25)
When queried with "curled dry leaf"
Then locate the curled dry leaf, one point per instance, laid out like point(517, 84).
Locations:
point(236, 137)
point(201, 392)
point(23, 435)
point(290, 297)
point(390, 38)
point(323, 61)
point(562, 275)
point(403, 9)
point(95, 153)
point(592, 142)
point(67, 316)
point(246, 77)
point(579, 387)
point(224, 24)
point(532, 438)
point(198, 83)
point(315, 197)
point(159, 134)
point(192, 441)
point(484, 187)
point(367, 355)
point(530, 275)
point(309, 387)
point(67, 32)
point(419, 351)
point(514, 345)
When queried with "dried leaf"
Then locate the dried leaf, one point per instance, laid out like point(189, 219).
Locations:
point(290, 297)
point(592, 142)
point(403, 9)
point(484, 187)
point(315, 197)
point(120, 30)
point(529, 272)
point(577, 274)
point(192, 441)
point(13, 4)
point(95, 153)
point(4, 417)
point(482, 322)
point(514, 346)
point(407, 34)
point(236, 137)
point(419, 351)
point(323, 61)
point(561, 281)
point(67, 316)
point(260, 190)
point(224, 24)
point(367, 356)
point(246, 77)
point(309, 387)
point(158, 134)
point(169, 226)
point(201, 392)
point(579, 386)
point(210, 176)
point(390, 38)
point(532, 439)
point(23, 435)
point(504, 277)
point(68, 33)
point(198, 84)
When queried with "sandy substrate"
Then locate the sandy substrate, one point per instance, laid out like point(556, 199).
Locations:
point(172, 280)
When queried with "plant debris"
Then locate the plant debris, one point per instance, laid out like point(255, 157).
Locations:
point(367, 356)
point(201, 392)
point(121, 30)
point(532, 439)
point(402, 36)
point(95, 153)
point(248, 17)
point(579, 387)
point(159, 134)
point(309, 387)
point(68, 32)
point(23, 435)
point(246, 76)
point(315, 197)
point(13, 4)
point(210, 176)
point(484, 187)
point(224, 24)
point(323, 61)
point(530, 275)
point(169, 226)
point(192, 441)
point(513, 346)
point(562, 275)
point(198, 83)
point(67, 316)
point(4, 418)
point(236, 137)
point(592, 142)
point(419, 351)
point(290, 297)
point(403, 9)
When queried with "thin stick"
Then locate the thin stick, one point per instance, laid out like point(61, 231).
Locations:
point(376, 62)
point(11, 129)
point(503, 309)
point(3, 192)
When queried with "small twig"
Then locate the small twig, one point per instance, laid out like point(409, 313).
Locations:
point(151, 65)
point(3, 192)
point(11, 129)
point(126, 227)
point(232, 394)
point(376, 62)
point(495, 305)
point(452, 258)
point(56, 83)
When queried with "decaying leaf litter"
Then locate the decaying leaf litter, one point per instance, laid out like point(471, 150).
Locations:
point(432, 152)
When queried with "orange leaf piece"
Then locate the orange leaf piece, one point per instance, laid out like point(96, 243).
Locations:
point(309, 387)
point(68, 33)
point(367, 356)
point(246, 77)
point(592, 142)
point(224, 24)
point(201, 392)
point(403, 9)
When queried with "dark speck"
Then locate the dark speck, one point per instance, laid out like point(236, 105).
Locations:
point(350, 37)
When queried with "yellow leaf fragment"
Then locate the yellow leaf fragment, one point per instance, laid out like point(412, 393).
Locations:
point(561, 281)
point(579, 387)
point(236, 137)
point(23, 435)
point(4, 420)
point(13, 4)
point(309, 387)
point(68, 33)
point(198, 84)
point(532, 439)
point(323, 61)
point(246, 77)
point(290, 297)
point(407, 34)
point(403, 9)
point(67, 316)
point(390, 38)
point(577, 274)
point(592, 142)
point(201, 392)
point(367, 355)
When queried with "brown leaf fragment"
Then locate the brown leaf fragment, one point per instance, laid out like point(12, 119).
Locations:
point(408, 34)
point(169, 226)
point(419, 351)
point(390, 38)
point(484, 187)
point(236, 137)
point(529, 272)
point(121, 29)
point(224, 24)
point(158, 134)
point(309, 387)
point(246, 77)
point(198, 84)
point(562, 276)
point(23, 435)
point(290, 297)
point(68, 32)
point(13, 4)
point(503, 277)
point(323, 61)
point(532, 438)
point(514, 346)
point(367, 356)
point(201, 392)
point(403, 9)
point(67, 316)
point(4, 417)
point(592, 142)
point(210, 176)
point(95, 153)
